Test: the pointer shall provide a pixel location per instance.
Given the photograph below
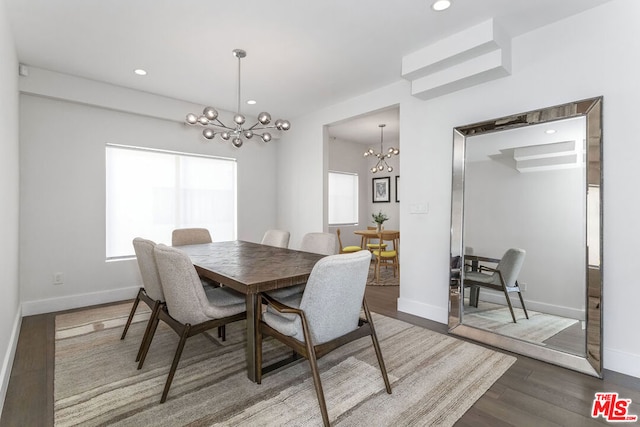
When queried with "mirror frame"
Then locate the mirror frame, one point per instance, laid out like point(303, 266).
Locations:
point(591, 109)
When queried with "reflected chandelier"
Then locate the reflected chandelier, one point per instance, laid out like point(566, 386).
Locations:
point(213, 125)
point(382, 162)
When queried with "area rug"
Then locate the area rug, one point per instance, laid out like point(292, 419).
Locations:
point(497, 318)
point(435, 378)
point(386, 277)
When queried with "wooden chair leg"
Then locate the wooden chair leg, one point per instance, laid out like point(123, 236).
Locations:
point(133, 311)
point(154, 315)
point(376, 346)
point(176, 359)
point(513, 316)
point(147, 342)
point(523, 307)
point(311, 356)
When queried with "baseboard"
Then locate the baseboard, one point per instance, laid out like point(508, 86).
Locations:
point(7, 362)
point(50, 305)
point(431, 312)
point(621, 361)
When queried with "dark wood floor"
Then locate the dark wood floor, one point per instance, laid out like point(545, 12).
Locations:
point(530, 393)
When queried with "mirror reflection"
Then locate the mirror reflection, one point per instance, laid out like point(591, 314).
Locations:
point(524, 233)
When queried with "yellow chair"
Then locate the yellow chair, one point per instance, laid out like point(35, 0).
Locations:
point(374, 246)
point(388, 257)
point(346, 249)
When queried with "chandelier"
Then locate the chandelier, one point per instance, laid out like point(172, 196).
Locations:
point(237, 132)
point(382, 156)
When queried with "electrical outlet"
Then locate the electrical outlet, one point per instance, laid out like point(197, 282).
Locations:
point(523, 286)
point(58, 278)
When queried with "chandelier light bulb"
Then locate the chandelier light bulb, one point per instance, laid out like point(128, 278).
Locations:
point(192, 119)
point(214, 126)
point(374, 169)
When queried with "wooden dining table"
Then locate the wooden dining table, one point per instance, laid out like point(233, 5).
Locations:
point(251, 268)
point(366, 235)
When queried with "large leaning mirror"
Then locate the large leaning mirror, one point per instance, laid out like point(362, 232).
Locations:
point(526, 234)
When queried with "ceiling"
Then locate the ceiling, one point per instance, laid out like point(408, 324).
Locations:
point(301, 56)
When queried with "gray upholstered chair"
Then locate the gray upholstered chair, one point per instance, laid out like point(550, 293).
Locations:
point(327, 316)
point(151, 292)
point(189, 310)
point(277, 238)
point(190, 236)
point(501, 278)
point(317, 243)
point(345, 249)
point(320, 243)
point(196, 236)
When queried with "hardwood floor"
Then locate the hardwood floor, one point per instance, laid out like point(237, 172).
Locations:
point(530, 393)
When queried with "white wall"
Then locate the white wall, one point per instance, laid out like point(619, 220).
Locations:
point(10, 313)
point(588, 55)
point(62, 167)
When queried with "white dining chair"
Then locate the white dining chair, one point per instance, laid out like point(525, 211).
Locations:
point(277, 238)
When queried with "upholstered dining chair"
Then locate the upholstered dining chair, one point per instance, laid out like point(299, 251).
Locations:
point(277, 238)
point(151, 292)
point(501, 278)
point(196, 236)
point(190, 236)
point(346, 249)
point(387, 256)
point(317, 243)
point(326, 317)
point(189, 310)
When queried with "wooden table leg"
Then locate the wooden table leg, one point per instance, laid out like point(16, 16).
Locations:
point(253, 319)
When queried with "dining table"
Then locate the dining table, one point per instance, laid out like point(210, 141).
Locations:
point(251, 269)
point(366, 235)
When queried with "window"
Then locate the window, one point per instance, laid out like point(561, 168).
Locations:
point(343, 198)
point(149, 193)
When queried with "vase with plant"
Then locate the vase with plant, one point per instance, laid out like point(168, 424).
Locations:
point(379, 219)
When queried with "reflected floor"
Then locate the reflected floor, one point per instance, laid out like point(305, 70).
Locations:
point(555, 332)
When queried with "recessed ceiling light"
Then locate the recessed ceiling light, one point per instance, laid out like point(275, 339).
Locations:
point(441, 5)
point(251, 102)
point(550, 131)
point(140, 72)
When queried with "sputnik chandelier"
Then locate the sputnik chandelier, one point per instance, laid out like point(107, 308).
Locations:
point(213, 126)
point(382, 156)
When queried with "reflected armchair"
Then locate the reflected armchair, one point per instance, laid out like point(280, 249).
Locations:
point(501, 278)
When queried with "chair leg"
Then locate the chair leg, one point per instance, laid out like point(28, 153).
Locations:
point(513, 316)
point(154, 314)
point(376, 346)
point(147, 342)
point(523, 307)
point(133, 311)
point(311, 356)
point(176, 359)
point(222, 332)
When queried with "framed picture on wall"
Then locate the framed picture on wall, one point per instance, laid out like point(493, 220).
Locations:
point(398, 188)
point(381, 189)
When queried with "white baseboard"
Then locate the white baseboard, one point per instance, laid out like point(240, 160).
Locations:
point(431, 312)
point(7, 362)
point(620, 361)
point(50, 305)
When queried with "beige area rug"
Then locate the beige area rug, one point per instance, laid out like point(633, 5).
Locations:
point(435, 378)
point(497, 318)
point(386, 276)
